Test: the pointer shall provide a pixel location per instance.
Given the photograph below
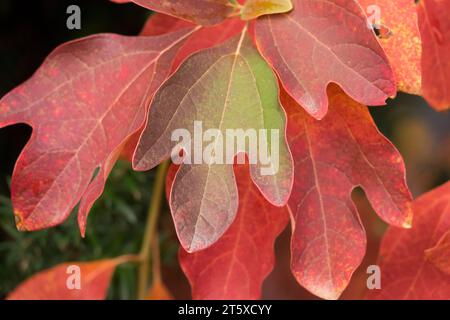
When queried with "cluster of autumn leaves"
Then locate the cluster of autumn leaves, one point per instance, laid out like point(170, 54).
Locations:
point(305, 67)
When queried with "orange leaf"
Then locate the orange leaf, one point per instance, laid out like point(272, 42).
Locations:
point(158, 291)
point(402, 46)
point(85, 101)
point(55, 283)
point(254, 8)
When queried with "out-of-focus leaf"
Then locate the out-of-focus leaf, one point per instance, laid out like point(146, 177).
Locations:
point(439, 255)
point(406, 269)
point(56, 283)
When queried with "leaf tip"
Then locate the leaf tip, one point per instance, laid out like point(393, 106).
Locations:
point(20, 222)
point(327, 294)
point(407, 224)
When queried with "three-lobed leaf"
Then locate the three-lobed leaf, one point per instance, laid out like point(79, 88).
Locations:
point(226, 87)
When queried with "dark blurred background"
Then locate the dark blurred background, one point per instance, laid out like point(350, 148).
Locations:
point(29, 30)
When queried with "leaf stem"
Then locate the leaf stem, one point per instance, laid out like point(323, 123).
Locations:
point(156, 261)
point(150, 232)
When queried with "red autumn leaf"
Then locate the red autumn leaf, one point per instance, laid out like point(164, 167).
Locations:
point(402, 45)
point(331, 158)
point(434, 26)
point(237, 264)
point(84, 102)
point(406, 273)
point(204, 12)
point(320, 42)
point(58, 282)
point(439, 255)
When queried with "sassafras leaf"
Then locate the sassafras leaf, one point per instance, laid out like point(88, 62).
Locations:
point(226, 87)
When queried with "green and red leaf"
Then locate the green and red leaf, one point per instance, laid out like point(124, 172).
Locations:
point(226, 87)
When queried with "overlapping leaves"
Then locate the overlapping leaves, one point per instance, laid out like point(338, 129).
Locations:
point(88, 101)
point(83, 103)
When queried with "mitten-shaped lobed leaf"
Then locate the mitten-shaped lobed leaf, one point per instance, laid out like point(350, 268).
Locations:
point(320, 42)
point(83, 103)
point(229, 87)
point(331, 158)
point(237, 264)
point(434, 25)
point(408, 269)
